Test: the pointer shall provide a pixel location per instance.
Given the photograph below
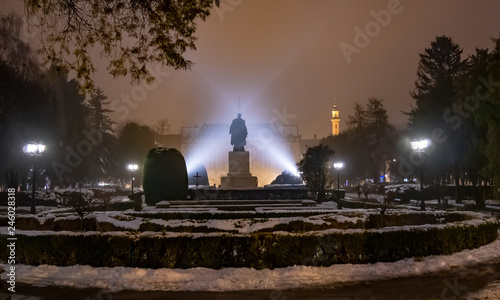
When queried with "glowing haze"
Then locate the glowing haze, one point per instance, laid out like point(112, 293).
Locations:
point(272, 53)
point(276, 53)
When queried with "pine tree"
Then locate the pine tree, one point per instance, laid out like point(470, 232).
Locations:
point(435, 92)
point(104, 141)
point(134, 142)
point(484, 94)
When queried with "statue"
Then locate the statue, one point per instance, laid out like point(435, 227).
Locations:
point(238, 132)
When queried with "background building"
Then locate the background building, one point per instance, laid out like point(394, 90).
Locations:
point(273, 148)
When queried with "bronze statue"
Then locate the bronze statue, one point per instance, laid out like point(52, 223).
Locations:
point(238, 132)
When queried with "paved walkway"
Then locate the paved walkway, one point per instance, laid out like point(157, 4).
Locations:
point(455, 284)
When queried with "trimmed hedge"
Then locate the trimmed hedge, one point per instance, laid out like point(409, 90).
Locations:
point(372, 221)
point(165, 176)
point(258, 250)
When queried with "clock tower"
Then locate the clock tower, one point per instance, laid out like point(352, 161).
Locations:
point(335, 120)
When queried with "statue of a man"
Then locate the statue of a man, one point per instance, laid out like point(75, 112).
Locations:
point(238, 132)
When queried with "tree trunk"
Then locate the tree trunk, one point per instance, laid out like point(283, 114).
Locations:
point(439, 191)
point(479, 195)
point(458, 191)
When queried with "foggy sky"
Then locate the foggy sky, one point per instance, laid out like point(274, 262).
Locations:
point(283, 57)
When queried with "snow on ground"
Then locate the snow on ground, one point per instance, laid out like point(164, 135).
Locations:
point(234, 279)
point(491, 291)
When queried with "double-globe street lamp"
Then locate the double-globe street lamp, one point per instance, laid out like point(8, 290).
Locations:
point(338, 166)
point(132, 168)
point(34, 150)
point(419, 147)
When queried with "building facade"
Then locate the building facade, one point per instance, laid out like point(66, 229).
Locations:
point(273, 149)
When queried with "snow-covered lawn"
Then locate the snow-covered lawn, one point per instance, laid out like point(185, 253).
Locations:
point(233, 279)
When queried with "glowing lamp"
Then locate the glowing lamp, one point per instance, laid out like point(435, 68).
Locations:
point(34, 149)
point(420, 145)
point(132, 168)
point(338, 166)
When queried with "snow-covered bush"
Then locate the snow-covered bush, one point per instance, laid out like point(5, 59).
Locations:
point(81, 201)
point(254, 250)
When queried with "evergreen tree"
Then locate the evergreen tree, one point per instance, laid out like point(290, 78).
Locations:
point(470, 133)
point(134, 142)
point(484, 94)
point(435, 92)
point(70, 114)
point(100, 126)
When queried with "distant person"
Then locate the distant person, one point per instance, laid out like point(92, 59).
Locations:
point(238, 132)
point(359, 191)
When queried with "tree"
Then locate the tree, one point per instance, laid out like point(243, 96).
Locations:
point(82, 202)
point(315, 167)
point(471, 129)
point(162, 126)
point(39, 105)
point(130, 33)
point(368, 143)
point(134, 142)
point(100, 126)
point(14, 51)
point(480, 99)
point(434, 94)
point(70, 114)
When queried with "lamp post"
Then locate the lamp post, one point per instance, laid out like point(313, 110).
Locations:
point(34, 150)
point(132, 168)
point(338, 166)
point(419, 147)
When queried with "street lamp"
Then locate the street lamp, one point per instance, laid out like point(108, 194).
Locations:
point(34, 150)
point(338, 166)
point(419, 147)
point(132, 168)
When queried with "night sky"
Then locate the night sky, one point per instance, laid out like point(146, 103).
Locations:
point(283, 57)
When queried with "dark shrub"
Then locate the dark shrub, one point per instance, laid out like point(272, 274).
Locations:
point(165, 176)
point(287, 177)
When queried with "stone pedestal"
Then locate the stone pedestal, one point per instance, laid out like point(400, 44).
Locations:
point(239, 175)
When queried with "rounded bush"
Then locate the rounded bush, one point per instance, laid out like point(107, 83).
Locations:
point(164, 176)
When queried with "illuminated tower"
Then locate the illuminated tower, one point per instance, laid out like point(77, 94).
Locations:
point(335, 120)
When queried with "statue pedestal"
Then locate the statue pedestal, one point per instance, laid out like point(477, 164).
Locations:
point(239, 175)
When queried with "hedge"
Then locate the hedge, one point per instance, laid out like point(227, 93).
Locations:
point(165, 176)
point(257, 250)
point(372, 221)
